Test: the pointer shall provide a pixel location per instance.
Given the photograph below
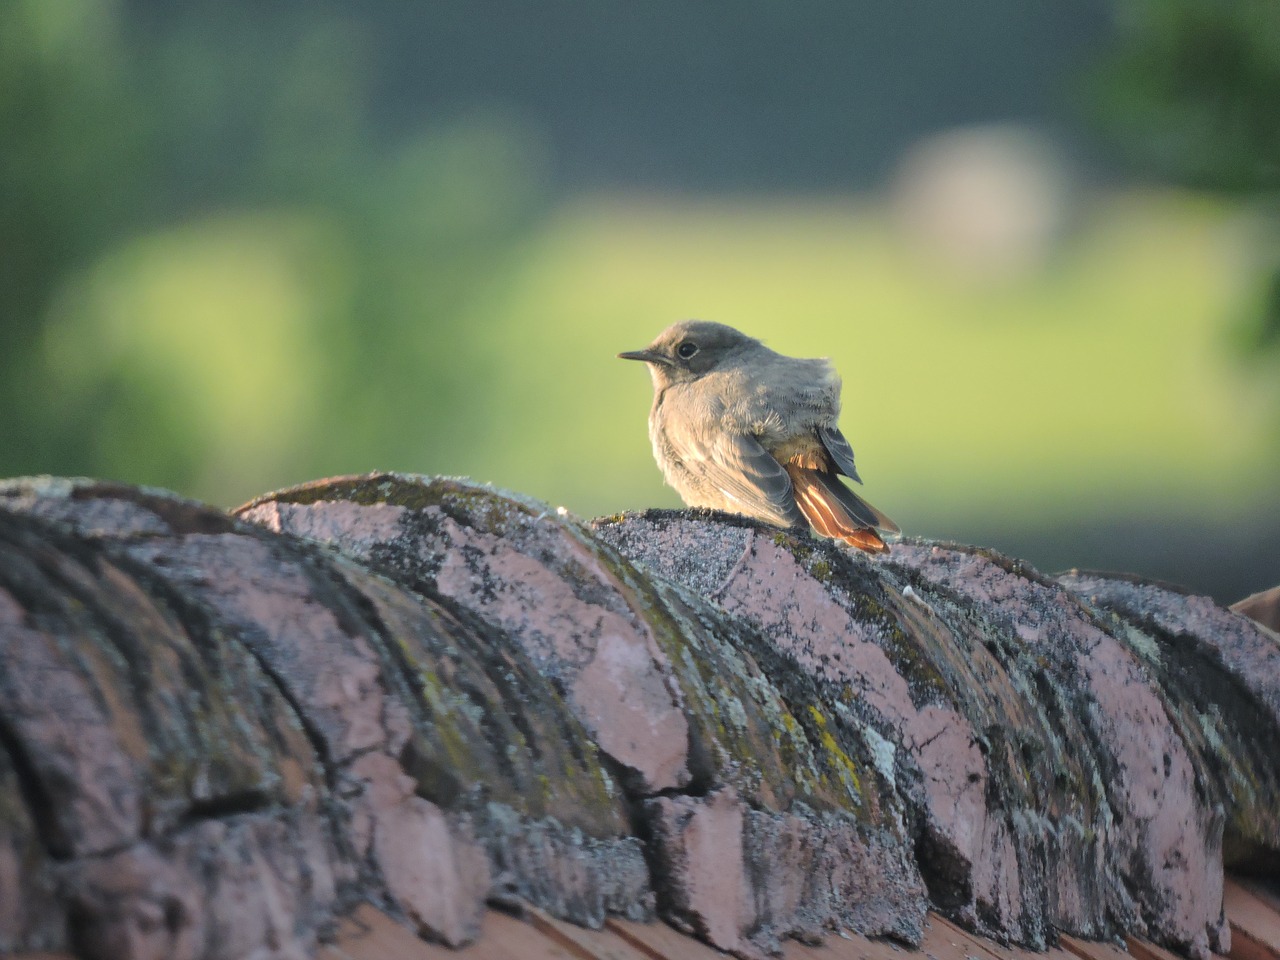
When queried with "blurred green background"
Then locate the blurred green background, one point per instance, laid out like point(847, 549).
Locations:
point(246, 245)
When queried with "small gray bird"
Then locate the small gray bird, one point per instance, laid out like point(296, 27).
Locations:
point(737, 427)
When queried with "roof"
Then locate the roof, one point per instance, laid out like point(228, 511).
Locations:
point(219, 735)
point(1253, 912)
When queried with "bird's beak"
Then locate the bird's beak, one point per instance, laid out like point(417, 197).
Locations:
point(648, 356)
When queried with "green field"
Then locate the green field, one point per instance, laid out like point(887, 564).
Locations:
point(232, 355)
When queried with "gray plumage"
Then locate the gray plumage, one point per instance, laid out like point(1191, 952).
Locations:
point(738, 427)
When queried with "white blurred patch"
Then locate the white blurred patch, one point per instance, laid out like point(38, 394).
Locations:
point(987, 202)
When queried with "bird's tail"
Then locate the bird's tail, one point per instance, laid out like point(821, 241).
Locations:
point(836, 511)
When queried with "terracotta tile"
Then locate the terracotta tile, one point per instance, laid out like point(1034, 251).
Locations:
point(944, 940)
point(659, 941)
point(1266, 891)
point(1252, 909)
point(1093, 949)
point(603, 944)
point(1255, 925)
point(369, 934)
point(1263, 607)
point(849, 946)
point(945, 936)
point(512, 939)
point(1144, 950)
point(1244, 946)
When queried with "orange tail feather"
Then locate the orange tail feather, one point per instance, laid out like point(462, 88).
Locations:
point(827, 515)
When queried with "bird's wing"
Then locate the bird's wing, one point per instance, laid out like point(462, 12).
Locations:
point(740, 468)
point(840, 451)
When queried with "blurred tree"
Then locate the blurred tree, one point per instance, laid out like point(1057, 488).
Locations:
point(71, 138)
point(1191, 88)
point(209, 256)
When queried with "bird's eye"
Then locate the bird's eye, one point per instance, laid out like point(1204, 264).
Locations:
point(687, 349)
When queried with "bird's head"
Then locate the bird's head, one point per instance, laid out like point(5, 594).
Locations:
point(690, 349)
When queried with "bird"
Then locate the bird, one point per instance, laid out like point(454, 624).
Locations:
point(739, 428)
